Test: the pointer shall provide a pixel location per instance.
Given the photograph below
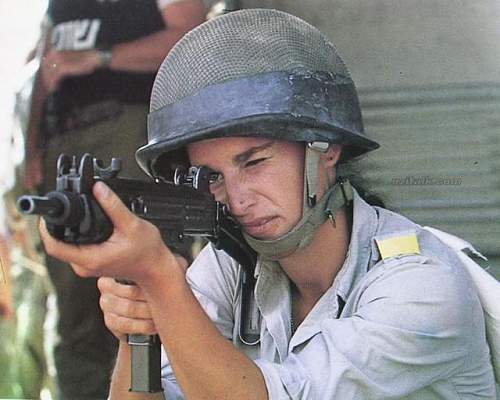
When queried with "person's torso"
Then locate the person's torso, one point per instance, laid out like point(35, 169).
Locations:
point(80, 25)
point(277, 341)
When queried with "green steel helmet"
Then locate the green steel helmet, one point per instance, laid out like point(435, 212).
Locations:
point(254, 72)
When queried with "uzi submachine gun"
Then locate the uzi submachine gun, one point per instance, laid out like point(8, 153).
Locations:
point(180, 209)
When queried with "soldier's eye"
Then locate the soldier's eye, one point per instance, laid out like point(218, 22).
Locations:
point(251, 163)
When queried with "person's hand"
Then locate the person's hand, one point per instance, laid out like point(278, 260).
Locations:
point(57, 65)
point(135, 251)
point(33, 173)
point(125, 309)
point(6, 302)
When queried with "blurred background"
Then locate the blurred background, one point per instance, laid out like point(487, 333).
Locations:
point(25, 370)
point(19, 31)
point(428, 75)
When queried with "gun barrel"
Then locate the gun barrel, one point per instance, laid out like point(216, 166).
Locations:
point(41, 205)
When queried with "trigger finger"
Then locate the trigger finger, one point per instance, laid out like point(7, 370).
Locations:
point(120, 215)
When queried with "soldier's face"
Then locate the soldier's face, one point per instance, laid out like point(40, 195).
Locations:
point(261, 180)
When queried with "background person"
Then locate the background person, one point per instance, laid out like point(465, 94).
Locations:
point(91, 95)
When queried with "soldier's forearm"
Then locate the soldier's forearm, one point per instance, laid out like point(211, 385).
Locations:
point(205, 363)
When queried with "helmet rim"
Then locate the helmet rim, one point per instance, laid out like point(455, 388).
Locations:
point(353, 142)
point(300, 105)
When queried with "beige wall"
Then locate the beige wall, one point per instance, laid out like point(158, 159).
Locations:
point(390, 43)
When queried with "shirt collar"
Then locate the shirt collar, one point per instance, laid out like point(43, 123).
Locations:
point(272, 291)
point(364, 226)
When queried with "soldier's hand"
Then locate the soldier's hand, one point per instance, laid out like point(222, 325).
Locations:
point(125, 309)
point(57, 65)
point(135, 251)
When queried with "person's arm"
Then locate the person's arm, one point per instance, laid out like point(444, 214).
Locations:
point(33, 175)
point(141, 55)
point(205, 363)
point(214, 278)
point(6, 301)
point(146, 54)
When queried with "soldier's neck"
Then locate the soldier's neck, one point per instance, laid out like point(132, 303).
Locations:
point(314, 268)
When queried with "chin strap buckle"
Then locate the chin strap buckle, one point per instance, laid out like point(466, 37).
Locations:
point(342, 183)
point(313, 152)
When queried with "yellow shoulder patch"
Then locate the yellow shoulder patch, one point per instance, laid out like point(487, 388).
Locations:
point(398, 246)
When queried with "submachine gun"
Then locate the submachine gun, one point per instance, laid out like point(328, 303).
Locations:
point(181, 209)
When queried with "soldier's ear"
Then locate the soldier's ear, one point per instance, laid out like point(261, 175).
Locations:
point(332, 155)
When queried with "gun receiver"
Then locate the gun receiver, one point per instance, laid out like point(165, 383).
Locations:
point(181, 209)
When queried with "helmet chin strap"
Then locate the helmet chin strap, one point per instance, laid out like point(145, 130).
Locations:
point(311, 173)
point(314, 214)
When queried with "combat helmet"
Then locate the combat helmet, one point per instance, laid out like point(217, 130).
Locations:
point(254, 72)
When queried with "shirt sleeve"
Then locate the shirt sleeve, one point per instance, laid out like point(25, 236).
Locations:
point(213, 278)
point(408, 325)
point(164, 3)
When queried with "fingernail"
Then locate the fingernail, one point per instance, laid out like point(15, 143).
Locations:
point(101, 190)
